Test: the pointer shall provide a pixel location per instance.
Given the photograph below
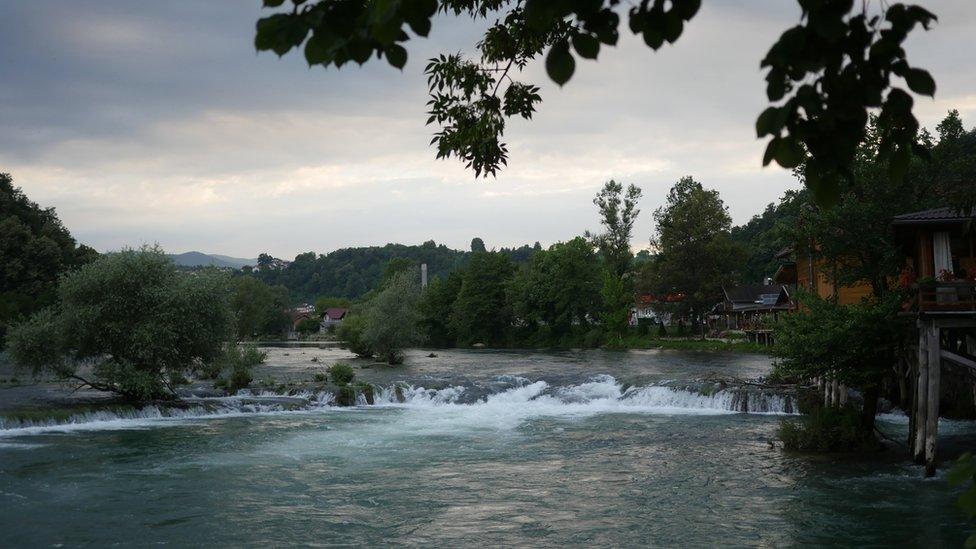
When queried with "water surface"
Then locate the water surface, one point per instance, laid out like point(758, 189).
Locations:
point(489, 448)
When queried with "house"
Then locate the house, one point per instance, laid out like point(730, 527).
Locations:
point(804, 270)
point(753, 306)
point(940, 262)
point(332, 317)
point(649, 308)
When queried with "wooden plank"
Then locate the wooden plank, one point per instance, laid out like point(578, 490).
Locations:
point(958, 359)
point(921, 396)
point(932, 414)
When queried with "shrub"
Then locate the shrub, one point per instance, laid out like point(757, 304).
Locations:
point(662, 330)
point(240, 361)
point(341, 374)
point(319, 377)
point(827, 430)
point(351, 333)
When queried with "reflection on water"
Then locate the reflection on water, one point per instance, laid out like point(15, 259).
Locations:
point(482, 460)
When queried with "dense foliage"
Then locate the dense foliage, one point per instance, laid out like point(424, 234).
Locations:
point(696, 254)
point(963, 473)
point(35, 249)
point(139, 325)
point(352, 272)
point(823, 75)
point(391, 318)
point(259, 309)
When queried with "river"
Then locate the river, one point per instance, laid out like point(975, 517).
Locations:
point(487, 448)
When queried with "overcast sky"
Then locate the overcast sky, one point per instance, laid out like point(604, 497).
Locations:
point(151, 122)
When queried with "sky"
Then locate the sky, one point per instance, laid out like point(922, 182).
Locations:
point(158, 122)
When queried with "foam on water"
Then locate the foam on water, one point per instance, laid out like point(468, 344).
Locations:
point(446, 408)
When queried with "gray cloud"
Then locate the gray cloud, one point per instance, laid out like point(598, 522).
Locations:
point(146, 122)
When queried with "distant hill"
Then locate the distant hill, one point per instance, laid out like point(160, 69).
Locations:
point(200, 259)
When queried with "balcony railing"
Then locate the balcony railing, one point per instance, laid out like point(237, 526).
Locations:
point(947, 297)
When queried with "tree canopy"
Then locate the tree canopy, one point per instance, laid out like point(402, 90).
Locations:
point(35, 249)
point(140, 324)
point(824, 75)
point(696, 255)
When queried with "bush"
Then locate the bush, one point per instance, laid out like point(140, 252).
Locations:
point(319, 377)
point(827, 430)
point(341, 374)
point(240, 361)
point(351, 333)
point(662, 330)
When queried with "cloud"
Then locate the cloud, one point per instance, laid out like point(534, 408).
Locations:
point(157, 122)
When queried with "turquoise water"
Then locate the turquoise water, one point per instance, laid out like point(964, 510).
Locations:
point(544, 454)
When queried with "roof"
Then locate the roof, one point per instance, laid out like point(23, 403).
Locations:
point(784, 253)
point(753, 294)
point(335, 313)
point(937, 215)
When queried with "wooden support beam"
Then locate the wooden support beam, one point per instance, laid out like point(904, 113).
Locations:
point(958, 359)
point(921, 396)
point(932, 414)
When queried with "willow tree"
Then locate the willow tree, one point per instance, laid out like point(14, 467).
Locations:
point(129, 323)
point(824, 75)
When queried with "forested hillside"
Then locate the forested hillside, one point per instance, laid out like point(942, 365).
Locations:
point(351, 272)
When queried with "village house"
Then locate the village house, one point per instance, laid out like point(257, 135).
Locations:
point(754, 306)
point(332, 318)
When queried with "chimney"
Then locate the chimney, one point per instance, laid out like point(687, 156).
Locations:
point(423, 276)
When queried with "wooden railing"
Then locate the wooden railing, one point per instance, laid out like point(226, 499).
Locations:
point(956, 296)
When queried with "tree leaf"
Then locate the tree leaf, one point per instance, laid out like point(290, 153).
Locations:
point(396, 55)
point(586, 45)
point(560, 63)
point(920, 82)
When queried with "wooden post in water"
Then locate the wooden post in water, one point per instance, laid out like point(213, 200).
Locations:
point(835, 392)
point(843, 395)
point(921, 395)
point(932, 413)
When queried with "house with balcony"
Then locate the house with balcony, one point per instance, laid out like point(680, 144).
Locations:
point(939, 246)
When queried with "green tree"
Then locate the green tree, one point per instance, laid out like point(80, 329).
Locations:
point(617, 301)
point(766, 234)
point(140, 323)
point(436, 305)
point(259, 309)
point(823, 75)
point(696, 255)
point(323, 303)
point(618, 212)
point(477, 245)
point(854, 344)
point(392, 318)
point(350, 332)
point(481, 313)
point(557, 295)
point(35, 250)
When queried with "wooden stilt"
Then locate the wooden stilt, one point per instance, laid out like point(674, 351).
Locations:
point(835, 393)
point(843, 395)
point(921, 396)
point(932, 414)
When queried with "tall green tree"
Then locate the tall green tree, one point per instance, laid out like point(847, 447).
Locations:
point(558, 294)
point(618, 212)
point(259, 309)
point(140, 323)
point(696, 255)
point(824, 75)
point(436, 305)
point(766, 234)
point(392, 318)
point(35, 250)
point(481, 312)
